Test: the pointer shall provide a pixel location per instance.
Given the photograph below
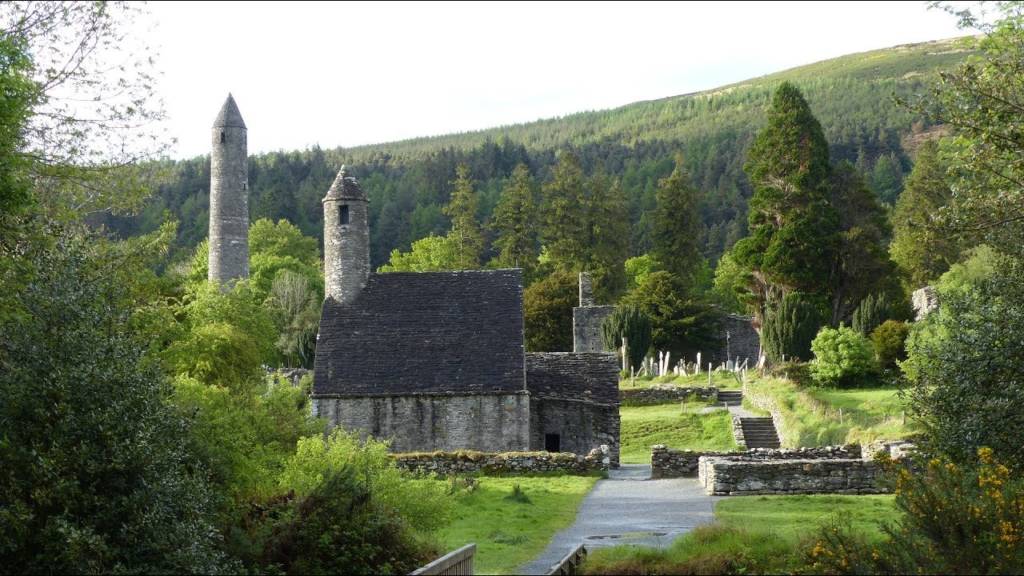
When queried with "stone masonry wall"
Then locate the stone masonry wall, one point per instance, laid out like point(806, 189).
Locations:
point(663, 394)
point(743, 341)
point(491, 463)
point(581, 426)
point(733, 476)
point(669, 463)
point(586, 328)
point(426, 423)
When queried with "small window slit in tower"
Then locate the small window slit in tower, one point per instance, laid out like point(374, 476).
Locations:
point(343, 214)
point(222, 138)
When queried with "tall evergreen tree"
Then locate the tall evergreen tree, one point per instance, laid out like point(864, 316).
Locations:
point(677, 226)
point(465, 232)
point(564, 231)
point(515, 222)
point(607, 235)
point(919, 248)
point(792, 227)
point(861, 262)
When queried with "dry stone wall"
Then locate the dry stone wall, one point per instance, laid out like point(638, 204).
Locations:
point(669, 463)
point(465, 462)
point(733, 476)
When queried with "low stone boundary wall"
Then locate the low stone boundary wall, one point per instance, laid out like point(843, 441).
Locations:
point(669, 463)
point(732, 476)
point(501, 463)
point(664, 394)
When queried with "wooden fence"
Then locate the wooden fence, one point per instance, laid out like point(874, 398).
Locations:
point(570, 564)
point(457, 563)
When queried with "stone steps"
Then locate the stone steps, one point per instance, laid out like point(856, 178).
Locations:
point(759, 433)
point(730, 398)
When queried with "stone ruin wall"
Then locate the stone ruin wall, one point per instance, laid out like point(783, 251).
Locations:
point(737, 476)
point(669, 463)
point(743, 344)
point(508, 463)
point(586, 328)
point(664, 394)
point(427, 423)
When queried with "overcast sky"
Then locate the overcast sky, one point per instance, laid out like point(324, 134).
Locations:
point(344, 74)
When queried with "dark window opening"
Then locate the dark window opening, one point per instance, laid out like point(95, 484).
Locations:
point(343, 214)
point(552, 443)
point(222, 138)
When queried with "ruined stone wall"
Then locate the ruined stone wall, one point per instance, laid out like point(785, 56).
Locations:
point(735, 476)
point(743, 342)
point(490, 463)
point(581, 426)
point(427, 423)
point(669, 463)
point(664, 394)
point(586, 328)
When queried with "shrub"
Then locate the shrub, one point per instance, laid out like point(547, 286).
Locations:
point(342, 527)
point(890, 340)
point(843, 358)
point(877, 308)
point(956, 520)
point(423, 503)
point(789, 327)
point(631, 323)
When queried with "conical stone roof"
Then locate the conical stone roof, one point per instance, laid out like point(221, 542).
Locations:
point(345, 187)
point(229, 116)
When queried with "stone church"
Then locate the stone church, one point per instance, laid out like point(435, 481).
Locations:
point(436, 360)
point(430, 361)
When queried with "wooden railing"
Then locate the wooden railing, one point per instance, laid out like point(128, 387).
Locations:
point(457, 563)
point(570, 564)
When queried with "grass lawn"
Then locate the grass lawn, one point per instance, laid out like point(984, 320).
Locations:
point(507, 532)
point(720, 380)
point(677, 425)
point(812, 417)
point(751, 534)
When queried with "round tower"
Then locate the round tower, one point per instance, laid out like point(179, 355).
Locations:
point(346, 239)
point(229, 197)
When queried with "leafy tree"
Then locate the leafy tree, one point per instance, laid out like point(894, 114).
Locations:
point(430, 254)
point(920, 247)
point(515, 222)
point(681, 324)
point(793, 229)
point(980, 99)
point(20, 94)
point(676, 234)
point(887, 178)
point(98, 474)
point(963, 363)
point(631, 323)
point(730, 285)
point(638, 267)
point(843, 358)
point(547, 310)
point(862, 262)
point(465, 234)
point(790, 327)
point(295, 305)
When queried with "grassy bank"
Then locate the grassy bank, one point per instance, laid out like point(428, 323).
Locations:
point(818, 417)
point(677, 425)
point(750, 535)
point(510, 531)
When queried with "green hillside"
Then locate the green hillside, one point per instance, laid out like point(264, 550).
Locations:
point(409, 181)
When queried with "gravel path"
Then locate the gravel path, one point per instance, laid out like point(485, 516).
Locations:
point(629, 508)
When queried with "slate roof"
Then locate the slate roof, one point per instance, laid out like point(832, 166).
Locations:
point(229, 115)
point(586, 376)
point(424, 333)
